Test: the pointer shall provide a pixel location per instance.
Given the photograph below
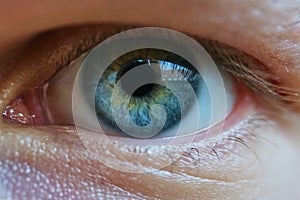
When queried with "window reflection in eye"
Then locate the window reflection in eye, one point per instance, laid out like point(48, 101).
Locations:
point(223, 159)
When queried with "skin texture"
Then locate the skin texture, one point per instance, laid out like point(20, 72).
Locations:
point(52, 162)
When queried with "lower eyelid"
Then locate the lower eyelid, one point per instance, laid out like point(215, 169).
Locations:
point(200, 159)
point(203, 157)
point(201, 168)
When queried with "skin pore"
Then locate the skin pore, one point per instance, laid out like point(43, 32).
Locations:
point(50, 162)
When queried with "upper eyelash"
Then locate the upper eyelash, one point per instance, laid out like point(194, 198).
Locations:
point(257, 77)
point(240, 65)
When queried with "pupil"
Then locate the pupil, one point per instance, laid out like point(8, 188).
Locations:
point(143, 90)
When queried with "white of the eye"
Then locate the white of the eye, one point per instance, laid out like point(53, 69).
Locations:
point(207, 120)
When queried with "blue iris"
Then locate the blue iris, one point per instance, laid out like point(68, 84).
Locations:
point(172, 68)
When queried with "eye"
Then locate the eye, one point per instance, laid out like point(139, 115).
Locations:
point(145, 83)
point(136, 81)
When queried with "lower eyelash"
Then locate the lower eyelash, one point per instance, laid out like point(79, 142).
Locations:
point(242, 135)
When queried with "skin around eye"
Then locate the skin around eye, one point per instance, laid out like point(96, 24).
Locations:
point(60, 167)
point(218, 151)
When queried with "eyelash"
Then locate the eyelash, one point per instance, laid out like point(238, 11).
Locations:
point(255, 75)
point(244, 136)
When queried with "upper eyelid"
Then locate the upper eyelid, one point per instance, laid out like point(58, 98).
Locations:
point(261, 80)
point(212, 10)
point(62, 46)
point(238, 19)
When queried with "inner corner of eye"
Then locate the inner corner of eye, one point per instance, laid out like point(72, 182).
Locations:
point(26, 108)
point(41, 105)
